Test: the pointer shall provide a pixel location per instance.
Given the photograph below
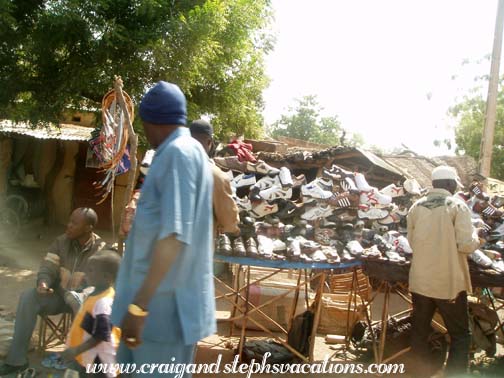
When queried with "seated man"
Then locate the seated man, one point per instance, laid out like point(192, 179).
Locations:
point(61, 270)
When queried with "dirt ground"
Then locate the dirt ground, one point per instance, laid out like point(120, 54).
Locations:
point(19, 262)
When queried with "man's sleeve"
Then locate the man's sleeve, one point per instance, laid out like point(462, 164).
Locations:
point(224, 207)
point(465, 233)
point(177, 186)
point(50, 266)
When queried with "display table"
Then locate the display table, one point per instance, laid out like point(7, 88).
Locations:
point(393, 279)
point(236, 293)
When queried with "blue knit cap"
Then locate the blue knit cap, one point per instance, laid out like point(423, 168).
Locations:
point(164, 104)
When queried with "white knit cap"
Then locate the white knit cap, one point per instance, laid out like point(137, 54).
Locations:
point(445, 172)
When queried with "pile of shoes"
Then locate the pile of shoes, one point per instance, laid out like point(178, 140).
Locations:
point(489, 219)
point(335, 218)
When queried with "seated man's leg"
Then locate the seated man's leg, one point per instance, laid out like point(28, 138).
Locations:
point(31, 304)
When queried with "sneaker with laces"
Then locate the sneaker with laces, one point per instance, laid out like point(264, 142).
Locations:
point(374, 198)
point(297, 181)
point(372, 214)
point(263, 208)
point(481, 259)
point(285, 177)
point(361, 182)
point(348, 184)
point(324, 184)
point(413, 187)
point(243, 179)
point(338, 173)
point(344, 200)
point(232, 163)
point(497, 201)
point(315, 191)
point(275, 192)
point(394, 257)
point(476, 189)
point(289, 209)
point(355, 248)
point(393, 191)
point(243, 204)
point(486, 210)
point(266, 182)
point(261, 167)
point(317, 212)
point(498, 266)
point(265, 247)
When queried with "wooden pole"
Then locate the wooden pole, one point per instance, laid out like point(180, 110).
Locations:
point(133, 142)
point(485, 159)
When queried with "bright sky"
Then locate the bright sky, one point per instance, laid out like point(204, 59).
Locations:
point(375, 62)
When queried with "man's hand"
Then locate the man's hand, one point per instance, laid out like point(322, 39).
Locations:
point(131, 330)
point(68, 355)
point(43, 289)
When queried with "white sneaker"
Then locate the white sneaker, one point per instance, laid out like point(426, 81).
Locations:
point(348, 184)
point(285, 177)
point(275, 192)
point(403, 245)
point(324, 184)
point(374, 198)
point(413, 187)
point(243, 179)
point(267, 182)
point(243, 203)
point(317, 212)
point(315, 191)
point(481, 259)
point(373, 214)
point(262, 209)
point(393, 256)
point(362, 183)
point(393, 191)
point(279, 246)
point(355, 248)
point(265, 246)
point(498, 266)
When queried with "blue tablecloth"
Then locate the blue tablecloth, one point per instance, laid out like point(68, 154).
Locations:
point(284, 264)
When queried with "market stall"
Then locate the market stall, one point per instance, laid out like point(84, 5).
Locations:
point(298, 216)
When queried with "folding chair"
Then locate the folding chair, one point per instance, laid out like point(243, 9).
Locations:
point(53, 330)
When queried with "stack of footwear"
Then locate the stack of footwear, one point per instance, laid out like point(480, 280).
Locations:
point(488, 217)
point(338, 217)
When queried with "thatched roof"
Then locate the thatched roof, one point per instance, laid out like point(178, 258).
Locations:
point(420, 167)
point(380, 170)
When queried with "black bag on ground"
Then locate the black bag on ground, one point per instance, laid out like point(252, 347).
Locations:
point(255, 350)
point(300, 332)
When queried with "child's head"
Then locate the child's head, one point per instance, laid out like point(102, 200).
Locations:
point(101, 269)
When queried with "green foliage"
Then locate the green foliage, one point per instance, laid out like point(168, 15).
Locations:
point(60, 53)
point(470, 116)
point(304, 122)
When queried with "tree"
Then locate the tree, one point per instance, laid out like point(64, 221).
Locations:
point(469, 114)
point(304, 122)
point(56, 54)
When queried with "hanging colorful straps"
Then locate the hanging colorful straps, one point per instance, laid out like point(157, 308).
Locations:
point(110, 146)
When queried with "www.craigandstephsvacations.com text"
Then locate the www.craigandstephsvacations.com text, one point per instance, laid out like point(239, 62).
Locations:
point(254, 367)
